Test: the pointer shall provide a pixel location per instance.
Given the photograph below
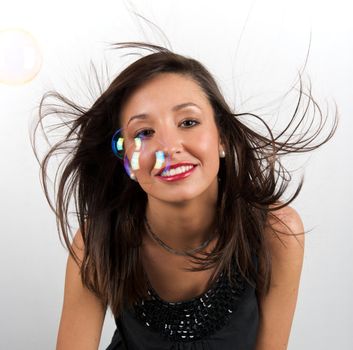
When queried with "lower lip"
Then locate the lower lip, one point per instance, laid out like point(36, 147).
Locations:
point(178, 176)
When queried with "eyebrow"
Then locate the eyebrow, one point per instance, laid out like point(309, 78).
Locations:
point(174, 109)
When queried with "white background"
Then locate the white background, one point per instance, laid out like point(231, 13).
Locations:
point(254, 50)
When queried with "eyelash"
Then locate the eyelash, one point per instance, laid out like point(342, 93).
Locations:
point(186, 120)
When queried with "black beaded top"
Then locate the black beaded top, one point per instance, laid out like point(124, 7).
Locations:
point(226, 317)
point(185, 321)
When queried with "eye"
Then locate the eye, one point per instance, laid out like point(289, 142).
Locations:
point(188, 123)
point(144, 133)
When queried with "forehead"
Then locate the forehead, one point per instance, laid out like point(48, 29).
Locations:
point(162, 93)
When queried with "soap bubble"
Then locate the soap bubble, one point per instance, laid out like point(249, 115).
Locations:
point(20, 57)
point(138, 149)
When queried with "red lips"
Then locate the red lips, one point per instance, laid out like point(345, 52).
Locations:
point(173, 166)
point(178, 177)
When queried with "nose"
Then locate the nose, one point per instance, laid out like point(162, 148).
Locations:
point(172, 143)
point(170, 152)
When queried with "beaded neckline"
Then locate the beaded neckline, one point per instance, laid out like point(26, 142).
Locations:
point(196, 318)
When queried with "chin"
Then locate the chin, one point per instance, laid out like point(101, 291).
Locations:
point(179, 196)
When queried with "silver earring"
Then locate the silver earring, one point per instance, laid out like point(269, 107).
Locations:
point(133, 176)
point(222, 154)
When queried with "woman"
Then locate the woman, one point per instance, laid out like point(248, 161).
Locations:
point(183, 233)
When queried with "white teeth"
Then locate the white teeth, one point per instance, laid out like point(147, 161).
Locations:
point(179, 170)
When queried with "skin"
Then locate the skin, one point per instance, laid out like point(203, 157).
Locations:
point(182, 214)
point(278, 306)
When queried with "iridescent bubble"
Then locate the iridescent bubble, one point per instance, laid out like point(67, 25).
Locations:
point(135, 159)
point(138, 149)
point(20, 57)
point(160, 159)
point(118, 144)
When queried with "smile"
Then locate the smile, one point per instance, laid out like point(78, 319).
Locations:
point(177, 173)
point(179, 170)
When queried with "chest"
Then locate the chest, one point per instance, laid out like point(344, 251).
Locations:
point(169, 278)
point(198, 318)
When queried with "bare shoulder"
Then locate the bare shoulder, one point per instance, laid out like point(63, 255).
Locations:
point(78, 246)
point(277, 307)
point(83, 313)
point(285, 229)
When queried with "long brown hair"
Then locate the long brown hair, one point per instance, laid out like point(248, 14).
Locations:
point(110, 206)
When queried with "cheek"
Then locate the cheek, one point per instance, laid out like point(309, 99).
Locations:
point(208, 146)
point(142, 160)
point(208, 152)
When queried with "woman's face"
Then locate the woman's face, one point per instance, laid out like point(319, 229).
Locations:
point(171, 113)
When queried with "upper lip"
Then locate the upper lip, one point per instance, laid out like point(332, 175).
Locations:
point(173, 166)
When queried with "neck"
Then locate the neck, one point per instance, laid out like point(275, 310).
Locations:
point(182, 226)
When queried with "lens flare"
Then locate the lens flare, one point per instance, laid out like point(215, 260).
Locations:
point(20, 57)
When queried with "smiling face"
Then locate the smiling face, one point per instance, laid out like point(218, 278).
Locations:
point(171, 113)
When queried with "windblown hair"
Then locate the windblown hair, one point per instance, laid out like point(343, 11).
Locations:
point(110, 207)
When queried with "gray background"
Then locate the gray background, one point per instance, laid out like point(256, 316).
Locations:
point(254, 49)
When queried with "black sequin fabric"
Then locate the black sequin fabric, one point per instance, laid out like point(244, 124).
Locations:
point(194, 319)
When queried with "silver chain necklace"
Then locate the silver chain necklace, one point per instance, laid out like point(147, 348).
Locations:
point(170, 249)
